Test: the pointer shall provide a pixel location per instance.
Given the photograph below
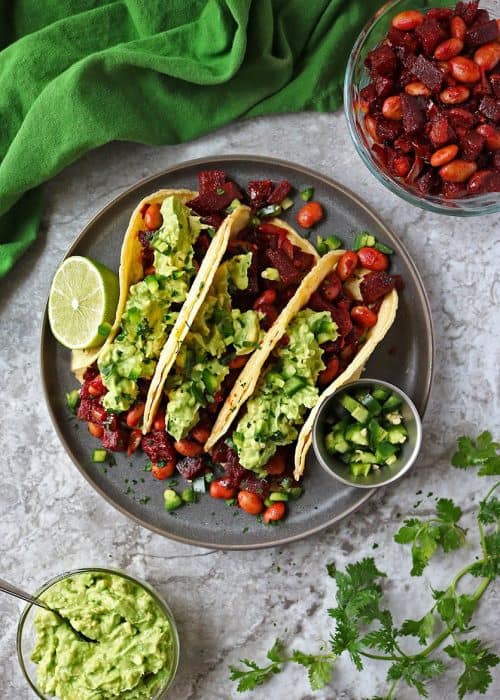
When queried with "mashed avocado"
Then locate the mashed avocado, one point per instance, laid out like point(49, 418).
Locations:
point(285, 391)
point(148, 314)
point(135, 653)
point(202, 362)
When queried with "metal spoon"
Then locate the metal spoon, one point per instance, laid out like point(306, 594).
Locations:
point(7, 587)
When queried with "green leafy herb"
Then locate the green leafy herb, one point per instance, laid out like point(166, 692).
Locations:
point(364, 628)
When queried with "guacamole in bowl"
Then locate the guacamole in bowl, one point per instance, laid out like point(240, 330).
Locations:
point(136, 648)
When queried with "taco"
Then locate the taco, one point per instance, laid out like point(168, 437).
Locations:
point(321, 340)
point(260, 270)
point(168, 259)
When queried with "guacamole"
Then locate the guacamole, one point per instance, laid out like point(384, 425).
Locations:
point(134, 655)
point(218, 333)
point(150, 310)
point(285, 391)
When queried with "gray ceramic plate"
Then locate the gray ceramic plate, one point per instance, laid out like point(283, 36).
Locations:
point(405, 358)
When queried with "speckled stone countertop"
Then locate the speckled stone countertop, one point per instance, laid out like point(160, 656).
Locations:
point(234, 604)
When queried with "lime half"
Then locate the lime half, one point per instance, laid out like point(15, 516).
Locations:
point(82, 302)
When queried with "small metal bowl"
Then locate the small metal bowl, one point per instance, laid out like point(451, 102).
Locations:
point(385, 475)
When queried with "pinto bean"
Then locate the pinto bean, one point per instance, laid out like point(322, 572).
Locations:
point(391, 109)
point(188, 448)
point(407, 20)
point(458, 170)
point(465, 70)
point(444, 155)
point(448, 49)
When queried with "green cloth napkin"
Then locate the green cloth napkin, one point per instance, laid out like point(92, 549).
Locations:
point(75, 74)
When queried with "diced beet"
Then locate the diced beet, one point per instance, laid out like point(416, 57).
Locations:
point(189, 467)
point(115, 440)
point(426, 72)
point(425, 182)
point(490, 107)
point(440, 13)
point(368, 95)
point(288, 273)
point(259, 192)
point(467, 10)
point(210, 180)
point(460, 117)
point(484, 181)
point(201, 246)
point(234, 472)
point(381, 61)
point(430, 34)
point(481, 34)
point(387, 129)
point(384, 86)
point(255, 485)
point(495, 84)
point(404, 144)
point(375, 285)
point(343, 320)
point(440, 131)
point(220, 452)
point(454, 190)
point(421, 147)
point(158, 446)
point(213, 220)
point(199, 207)
point(471, 145)
point(279, 193)
point(90, 373)
point(85, 408)
point(405, 40)
point(496, 160)
point(414, 113)
point(482, 17)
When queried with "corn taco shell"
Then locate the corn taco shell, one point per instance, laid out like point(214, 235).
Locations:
point(230, 229)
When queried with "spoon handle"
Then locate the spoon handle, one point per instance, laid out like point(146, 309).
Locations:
point(9, 588)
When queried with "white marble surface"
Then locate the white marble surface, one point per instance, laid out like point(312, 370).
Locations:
point(233, 604)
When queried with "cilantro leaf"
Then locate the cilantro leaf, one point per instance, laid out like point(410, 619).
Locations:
point(456, 610)
point(422, 629)
point(477, 661)
point(447, 511)
point(319, 667)
point(489, 511)
point(257, 675)
point(490, 567)
point(482, 451)
point(415, 671)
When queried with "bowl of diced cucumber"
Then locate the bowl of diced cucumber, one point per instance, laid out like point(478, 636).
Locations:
point(367, 434)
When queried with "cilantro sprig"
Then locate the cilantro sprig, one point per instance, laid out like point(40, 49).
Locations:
point(364, 627)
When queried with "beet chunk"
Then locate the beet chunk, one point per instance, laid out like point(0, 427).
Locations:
point(255, 485)
point(115, 440)
point(467, 10)
point(289, 274)
point(234, 472)
point(210, 180)
point(404, 40)
point(259, 191)
point(279, 193)
point(482, 33)
point(440, 131)
point(414, 113)
point(189, 467)
point(85, 408)
point(387, 129)
point(430, 35)
point(382, 61)
point(495, 84)
point(471, 145)
point(158, 446)
point(490, 107)
point(426, 72)
point(376, 285)
point(384, 86)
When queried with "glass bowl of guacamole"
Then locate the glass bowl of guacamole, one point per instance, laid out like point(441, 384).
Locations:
point(136, 652)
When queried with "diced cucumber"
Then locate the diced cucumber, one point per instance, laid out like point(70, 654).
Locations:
point(152, 283)
point(380, 393)
point(355, 433)
point(360, 469)
point(390, 460)
point(287, 203)
point(278, 496)
point(295, 492)
point(362, 240)
point(394, 418)
point(373, 406)
point(357, 411)
point(72, 399)
point(392, 403)
point(325, 245)
point(199, 485)
point(383, 248)
point(376, 432)
point(362, 457)
point(384, 451)
point(293, 385)
point(189, 495)
point(99, 456)
point(268, 502)
point(307, 194)
point(335, 442)
point(397, 434)
point(172, 500)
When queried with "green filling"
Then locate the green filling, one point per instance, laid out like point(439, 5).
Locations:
point(135, 653)
point(285, 392)
point(218, 330)
point(148, 315)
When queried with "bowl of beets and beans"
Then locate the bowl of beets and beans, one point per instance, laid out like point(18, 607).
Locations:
point(367, 434)
point(422, 101)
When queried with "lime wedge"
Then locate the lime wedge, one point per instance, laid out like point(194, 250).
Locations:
point(82, 301)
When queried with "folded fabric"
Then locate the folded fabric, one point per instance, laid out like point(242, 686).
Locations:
point(77, 74)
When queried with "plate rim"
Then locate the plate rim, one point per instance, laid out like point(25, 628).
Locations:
point(197, 162)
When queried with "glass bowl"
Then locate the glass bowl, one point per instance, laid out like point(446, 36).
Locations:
point(26, 630)
point(379, 477)
point(357, 77)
